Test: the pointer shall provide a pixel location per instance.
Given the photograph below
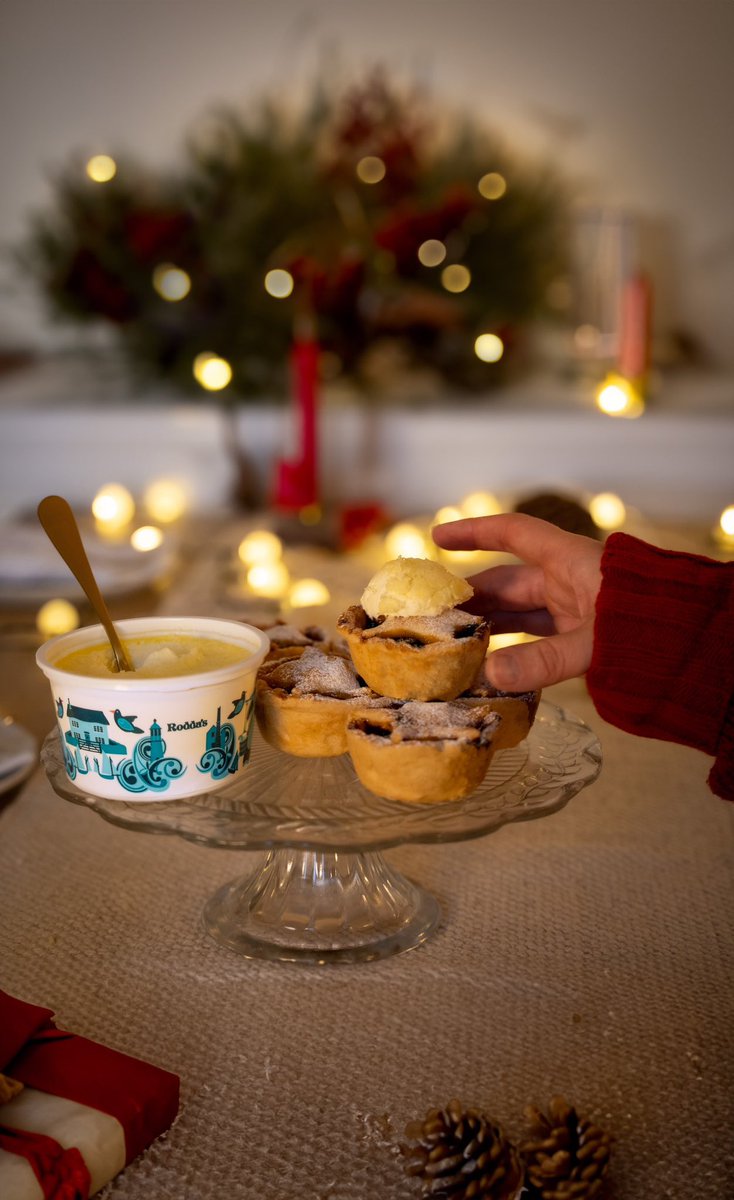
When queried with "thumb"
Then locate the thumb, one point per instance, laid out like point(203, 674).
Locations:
point(533, 665)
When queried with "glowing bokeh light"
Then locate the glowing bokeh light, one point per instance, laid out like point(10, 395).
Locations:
point(480, 504)
point(259, 547)
point(489, 347)
point(308, 593)
point(269, 579)
point(607, 511)
point(279, 283)
point(101, 168)
point(146, 537)
point(166, 500)
point(726, 521)
point(492, 185)
point(113, 508)
point(449, 512)
point(617, 397)
point(407, 541)
point(171, 283)
point(431, 253)
point(211, 371)
point(456, 277)
point(370, 169)
point(55, 617)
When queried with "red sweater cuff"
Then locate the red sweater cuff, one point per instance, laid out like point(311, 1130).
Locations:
point(663, 659)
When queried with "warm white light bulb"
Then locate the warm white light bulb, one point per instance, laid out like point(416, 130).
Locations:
point(406, 541)
point(489, 347)
point(55, 617)
point(480, 504)
point(607, 511)
point(146, 537)
point(449, 512)
point(617, 397)
point(456, 277)
point(492, 185)
point(166, 500)
point(101, 168)
point(211, 371)
point(269, 579)
point(113, 508)
point(370, 169)
point(260, 546)
point(308, 593)
point(171, 283)
point(431, 253)
point(726, 521)
point(279, 283)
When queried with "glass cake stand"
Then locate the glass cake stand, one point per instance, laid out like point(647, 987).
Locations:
point(324, 891)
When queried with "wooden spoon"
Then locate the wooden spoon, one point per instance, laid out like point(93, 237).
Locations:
point(60, 524)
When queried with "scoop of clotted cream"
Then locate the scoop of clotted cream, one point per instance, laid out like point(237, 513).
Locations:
point(412, 587)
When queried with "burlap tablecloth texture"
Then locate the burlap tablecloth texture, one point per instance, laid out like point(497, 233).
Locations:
point(587, 953)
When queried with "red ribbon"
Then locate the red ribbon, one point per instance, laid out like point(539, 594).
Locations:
point(62, 1174)
point(142, 1097)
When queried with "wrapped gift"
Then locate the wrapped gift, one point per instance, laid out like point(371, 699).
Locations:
point(72, 1112)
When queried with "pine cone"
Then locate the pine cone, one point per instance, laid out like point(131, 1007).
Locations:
point(462, 1154)
point(567, 1156)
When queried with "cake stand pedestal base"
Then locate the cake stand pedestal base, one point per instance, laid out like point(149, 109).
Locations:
point(321, 907)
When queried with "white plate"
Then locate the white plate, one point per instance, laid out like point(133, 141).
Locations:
point(18, 754)
point(32, 571)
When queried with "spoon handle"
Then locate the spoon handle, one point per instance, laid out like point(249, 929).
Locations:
point(59, 522)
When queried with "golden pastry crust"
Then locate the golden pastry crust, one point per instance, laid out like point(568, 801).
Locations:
point(302, 703)
point(517, 709)
point(423, 753)
point(416, 657)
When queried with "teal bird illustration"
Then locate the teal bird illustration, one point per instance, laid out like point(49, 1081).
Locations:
point(60, 707)
point(238, 705)
point(126, 723)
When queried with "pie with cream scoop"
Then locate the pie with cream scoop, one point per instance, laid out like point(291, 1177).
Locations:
point(407, 638)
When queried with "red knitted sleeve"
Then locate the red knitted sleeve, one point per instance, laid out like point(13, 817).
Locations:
point(663, 659)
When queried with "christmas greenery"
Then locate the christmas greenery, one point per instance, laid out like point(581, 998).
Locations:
point(277, 191)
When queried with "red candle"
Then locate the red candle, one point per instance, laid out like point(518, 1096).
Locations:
point(635, 332)
point(296, 485)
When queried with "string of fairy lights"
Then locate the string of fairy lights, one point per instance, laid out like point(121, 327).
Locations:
point(262, 557)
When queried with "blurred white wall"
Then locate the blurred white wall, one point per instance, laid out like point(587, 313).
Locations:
point(633, 97)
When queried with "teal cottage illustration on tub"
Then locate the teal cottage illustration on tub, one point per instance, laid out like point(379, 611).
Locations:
point(89, 733)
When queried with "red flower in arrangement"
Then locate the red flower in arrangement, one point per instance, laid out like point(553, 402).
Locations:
point(95, 290)
point(328, 289)
point(403, 231)
point(156, 234)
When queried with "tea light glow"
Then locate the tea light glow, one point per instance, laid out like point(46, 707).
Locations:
point(308, 593)
point(260, 547)
point(270, 580)
point(56, 617)
point(618, 397)
point(211, 371)
point(171, 283)
point(113, 508)
point(166, 500)
point(607, 511)
point(146, 537)
point(480, 504)
point(406, 541)
point(489, 347)
point(101, 168)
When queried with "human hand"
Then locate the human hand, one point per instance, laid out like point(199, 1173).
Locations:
point(551, 593)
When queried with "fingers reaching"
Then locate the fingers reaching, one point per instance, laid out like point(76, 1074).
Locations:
point(527, 537)
point(514, 588)
point(534, 665)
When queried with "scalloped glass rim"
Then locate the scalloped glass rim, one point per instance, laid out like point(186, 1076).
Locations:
point(319, 804)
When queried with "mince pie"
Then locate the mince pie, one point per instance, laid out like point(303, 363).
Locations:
point(423, 753)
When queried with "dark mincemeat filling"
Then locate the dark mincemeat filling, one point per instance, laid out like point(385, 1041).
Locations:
point(466, 631)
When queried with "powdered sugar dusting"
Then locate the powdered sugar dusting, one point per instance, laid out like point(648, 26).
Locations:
point(316, 672)
point(445, 624)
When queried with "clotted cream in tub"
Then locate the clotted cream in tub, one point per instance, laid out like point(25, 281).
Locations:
point(179, 725)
